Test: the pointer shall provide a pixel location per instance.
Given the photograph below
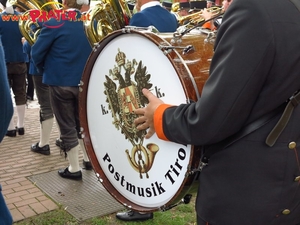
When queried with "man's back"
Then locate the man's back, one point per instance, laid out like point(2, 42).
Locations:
point(11, 38)
point(155, 16)
point(258, 68)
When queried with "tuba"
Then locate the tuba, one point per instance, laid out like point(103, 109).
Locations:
point(104, 18)
point(28, 28)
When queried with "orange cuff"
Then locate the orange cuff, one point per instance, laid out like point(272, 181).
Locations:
point(158, 121)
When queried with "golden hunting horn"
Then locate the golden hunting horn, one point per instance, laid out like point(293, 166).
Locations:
point(104, 18)
point(141, 159)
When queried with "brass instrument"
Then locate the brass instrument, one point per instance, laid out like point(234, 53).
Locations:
point(28, 28)
point(197, 17)
point(26, 5)
point(175, 7)
point(105, 17)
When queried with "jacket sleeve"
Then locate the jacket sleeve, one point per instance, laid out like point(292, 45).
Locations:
point(6, 108)
point(238, 70)
point(26, 48)
point(158, 122)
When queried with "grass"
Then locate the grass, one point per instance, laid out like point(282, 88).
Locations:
point(183, 214)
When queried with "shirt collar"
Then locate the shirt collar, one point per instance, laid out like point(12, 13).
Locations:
point(150, 4)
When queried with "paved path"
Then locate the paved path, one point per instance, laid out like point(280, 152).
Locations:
point(17, 163)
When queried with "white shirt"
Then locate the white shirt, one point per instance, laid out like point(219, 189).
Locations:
point(150, 4)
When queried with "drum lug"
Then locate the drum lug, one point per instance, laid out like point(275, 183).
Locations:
point(81, 132)
point(199, 169)
point(211, 36)
point(201, 166)
point(99, 178)
point(96, 46)
point(186, 49)
point(80, 85)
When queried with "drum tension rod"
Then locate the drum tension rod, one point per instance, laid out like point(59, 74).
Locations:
point(185, 200)
point(186, 49)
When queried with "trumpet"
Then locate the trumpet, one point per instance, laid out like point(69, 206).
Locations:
point(193, 21)
point(197, 17)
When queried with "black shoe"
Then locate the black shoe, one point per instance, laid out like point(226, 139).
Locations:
point(65, 173)
point(45, 150)
point(134, 216)
point(11, 133)
point(59, 143)
point(87, 165)
point(21, 130)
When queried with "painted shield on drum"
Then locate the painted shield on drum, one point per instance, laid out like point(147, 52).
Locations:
point(142, 174)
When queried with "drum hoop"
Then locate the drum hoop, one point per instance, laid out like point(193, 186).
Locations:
point(86, 133)
point(186, 78)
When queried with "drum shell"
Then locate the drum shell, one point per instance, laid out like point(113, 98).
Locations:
point(197, 61)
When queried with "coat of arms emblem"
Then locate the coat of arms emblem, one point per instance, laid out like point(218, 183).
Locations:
point(124, 95)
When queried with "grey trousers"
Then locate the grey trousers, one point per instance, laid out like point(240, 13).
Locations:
point(64, 101)
point(43, 95)
point(16, 73)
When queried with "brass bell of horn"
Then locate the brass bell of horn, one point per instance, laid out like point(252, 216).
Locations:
point(106, 17)
point(28, 28)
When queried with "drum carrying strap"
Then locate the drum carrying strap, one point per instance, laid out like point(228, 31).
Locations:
point(284, 119)
point(287, 108)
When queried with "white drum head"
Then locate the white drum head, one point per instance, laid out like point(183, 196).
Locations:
point(148, 173)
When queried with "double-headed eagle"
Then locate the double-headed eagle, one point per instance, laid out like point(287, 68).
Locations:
point(124, 95)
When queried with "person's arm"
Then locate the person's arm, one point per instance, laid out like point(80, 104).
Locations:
point(26, 47)
point(237, 76)
point(5, 215)
point(6, 108)
point(40, 48)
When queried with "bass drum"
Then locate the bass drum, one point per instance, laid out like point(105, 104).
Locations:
point(143, 174)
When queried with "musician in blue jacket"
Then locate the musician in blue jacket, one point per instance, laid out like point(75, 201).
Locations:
point(11, 38)
point(6, 108)
point(6, 112)
point(60, 53)
point(153, 14)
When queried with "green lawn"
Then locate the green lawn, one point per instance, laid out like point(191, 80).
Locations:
point(183, 214)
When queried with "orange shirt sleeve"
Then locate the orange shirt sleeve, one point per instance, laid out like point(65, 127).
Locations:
point(207, 25)
point(158, 121)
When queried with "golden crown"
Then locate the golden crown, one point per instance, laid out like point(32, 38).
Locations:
point(120, 58)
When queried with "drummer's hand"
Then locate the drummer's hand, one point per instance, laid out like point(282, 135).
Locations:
point(145, 119)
